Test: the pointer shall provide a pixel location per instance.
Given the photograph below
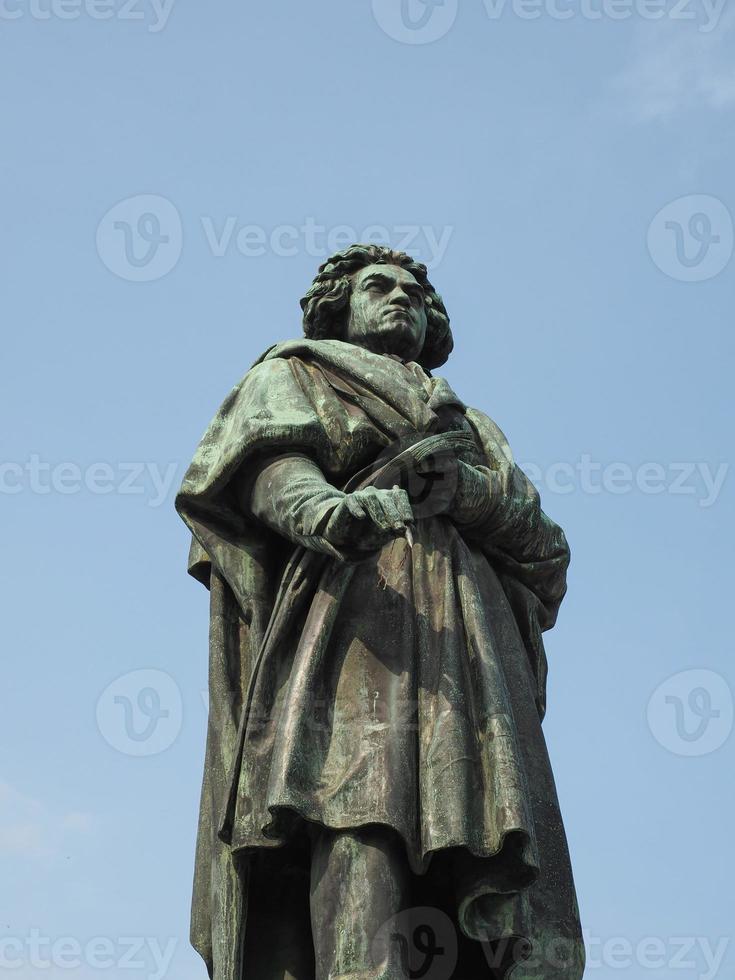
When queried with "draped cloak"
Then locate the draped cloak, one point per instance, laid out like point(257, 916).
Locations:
point(467, 776)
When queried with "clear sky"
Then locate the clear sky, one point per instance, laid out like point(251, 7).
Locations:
point(526, 150)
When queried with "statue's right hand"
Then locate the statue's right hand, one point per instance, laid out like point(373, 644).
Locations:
point(369, 518)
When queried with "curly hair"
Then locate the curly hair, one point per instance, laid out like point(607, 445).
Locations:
point(328, 298)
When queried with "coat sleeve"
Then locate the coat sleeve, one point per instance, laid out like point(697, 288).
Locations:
point(509, 522)
point(528, 551)
point(290, 495)
point(271, 411)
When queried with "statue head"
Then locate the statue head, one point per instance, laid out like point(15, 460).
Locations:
point(376, 298)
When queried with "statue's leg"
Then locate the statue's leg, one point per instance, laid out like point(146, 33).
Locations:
point(278, 932)
point(359, 881)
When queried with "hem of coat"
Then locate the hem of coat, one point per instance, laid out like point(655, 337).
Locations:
point(512, 895)
point(279, 834)
point(504, 921)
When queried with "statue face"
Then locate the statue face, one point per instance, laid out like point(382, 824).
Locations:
point(387, 313)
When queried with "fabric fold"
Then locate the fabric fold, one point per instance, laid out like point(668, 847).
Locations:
point(406, 689)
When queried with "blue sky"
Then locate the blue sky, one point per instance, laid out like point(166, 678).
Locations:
point(171, 178)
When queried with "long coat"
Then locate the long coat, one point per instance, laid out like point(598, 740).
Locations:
point(472, 665)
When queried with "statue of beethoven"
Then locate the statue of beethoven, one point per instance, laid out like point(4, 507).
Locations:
point(380, 573)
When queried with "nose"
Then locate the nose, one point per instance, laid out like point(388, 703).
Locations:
point(399, 297)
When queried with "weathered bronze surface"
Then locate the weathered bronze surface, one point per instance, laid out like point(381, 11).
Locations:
point(378, 800)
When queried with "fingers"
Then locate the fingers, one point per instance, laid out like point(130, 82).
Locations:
point(403, 504)
point(393, 514)
point(382, 510)
point(354, 506)
point(389, 510)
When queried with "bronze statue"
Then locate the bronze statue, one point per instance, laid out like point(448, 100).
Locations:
point(380, 574)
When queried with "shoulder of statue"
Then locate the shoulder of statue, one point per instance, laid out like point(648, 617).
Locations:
point(270, 352)
point(491, 436)
point(335, 355)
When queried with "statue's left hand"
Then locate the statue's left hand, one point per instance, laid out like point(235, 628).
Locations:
point(473, 498)
point(444, 484)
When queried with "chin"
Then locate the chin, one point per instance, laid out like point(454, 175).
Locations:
point(395, 338)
